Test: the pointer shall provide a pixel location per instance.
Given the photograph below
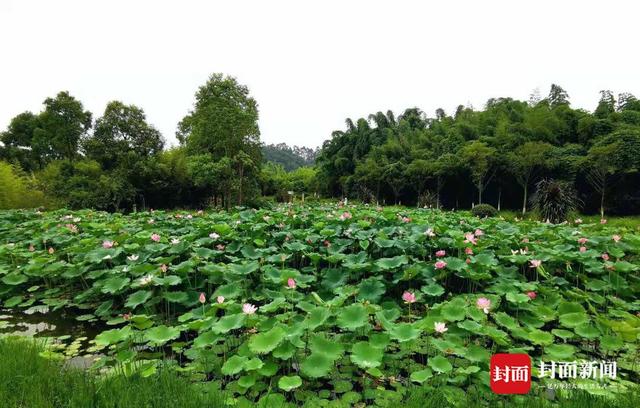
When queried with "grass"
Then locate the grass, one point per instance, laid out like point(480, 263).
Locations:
point(28, 380)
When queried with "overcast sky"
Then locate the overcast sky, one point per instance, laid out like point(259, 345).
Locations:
point(311, 64)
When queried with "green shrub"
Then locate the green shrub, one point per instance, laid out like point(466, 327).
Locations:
point(17, 190)
point(484, 210)
point(554, 200)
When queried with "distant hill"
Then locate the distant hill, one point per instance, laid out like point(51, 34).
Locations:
point(289, 157)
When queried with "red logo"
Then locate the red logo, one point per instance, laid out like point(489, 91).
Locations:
point(510, 373)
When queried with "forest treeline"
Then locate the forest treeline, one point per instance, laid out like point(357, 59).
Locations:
point(495, 155)
point(64, 156)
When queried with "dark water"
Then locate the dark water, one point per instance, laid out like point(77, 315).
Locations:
point(63, 331)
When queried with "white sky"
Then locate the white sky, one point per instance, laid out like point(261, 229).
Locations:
point(311, 64)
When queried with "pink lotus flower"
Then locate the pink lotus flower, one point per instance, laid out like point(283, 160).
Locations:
point(479, 232)
point(470, 238)
point(535, 263)
point(155, 237)
point(441, 253)
point(214, 236)
point(468, 251)
point(202, 298)
point(189, 216)
point(220, 247)
point(583, 249)
point(408, 297)
point(440, 327)
point(31, 248)
point(603, 221)
point(616, 238)
point(107, 244)
point(327, 243)
point(605, 256)
point(532, 295)
point(220, 299)
point(440, 264)
point(429, 232)
point(582, 240)
point(484, 304)
point(164, 268)
point(249, 309)
point(73, 228)
point(406, 219)
point(51, 251)
point(345, 216)
point(126, 316)
point(291, 283)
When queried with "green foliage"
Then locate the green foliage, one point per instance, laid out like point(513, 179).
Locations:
point(554, 200)
point(484, 210)
point(345, 317)
point(18, 190)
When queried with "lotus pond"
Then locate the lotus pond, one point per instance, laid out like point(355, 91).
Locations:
point(324, 304)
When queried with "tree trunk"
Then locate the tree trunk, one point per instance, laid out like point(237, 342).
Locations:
point(524, 200)
point(499, 197)
point(480, 193)
point(602, 203)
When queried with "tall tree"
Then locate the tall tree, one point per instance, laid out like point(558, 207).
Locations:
point(479, 159)
point(524, 161)
point(224, 124)
point(63, 122)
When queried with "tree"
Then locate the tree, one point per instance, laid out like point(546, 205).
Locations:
point(63, 123)
point(606, 105)
point(19, 145)
point(558, 96)
point(479, 160)
point(122, 133)
point(224, 124)
point(524, 161)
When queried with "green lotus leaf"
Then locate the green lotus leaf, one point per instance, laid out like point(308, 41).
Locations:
point(228, 323)
point(234, 365)
point(253, 364)
point(611, 343)
point(453, 310)
point(560, 351)
point(114, 336)
point(138, 298)
point(477, 354)
point(371, 290)
point(540, 337)
point(13, 301)
point(284, 351)
point(517, 297)
point(333, 349)
point(263, 343)
point(268, 369)
point(364, 355)
point(404, 332)
point(352, 317)
point(440, 364)
point(470, 325)
point(206, 339)
point(316, 365)
point(421, 376)
point(247, 381)
point(563, 334)
point(14, 278)
point(176, 297)
point(289, 383)
point(159, 335)
point(433, 289)
point(114, 284)
point(573, 319)
point(505, 320)
point(392, 263)
point(587, 331)
point(243, 269)
point(316, 317)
